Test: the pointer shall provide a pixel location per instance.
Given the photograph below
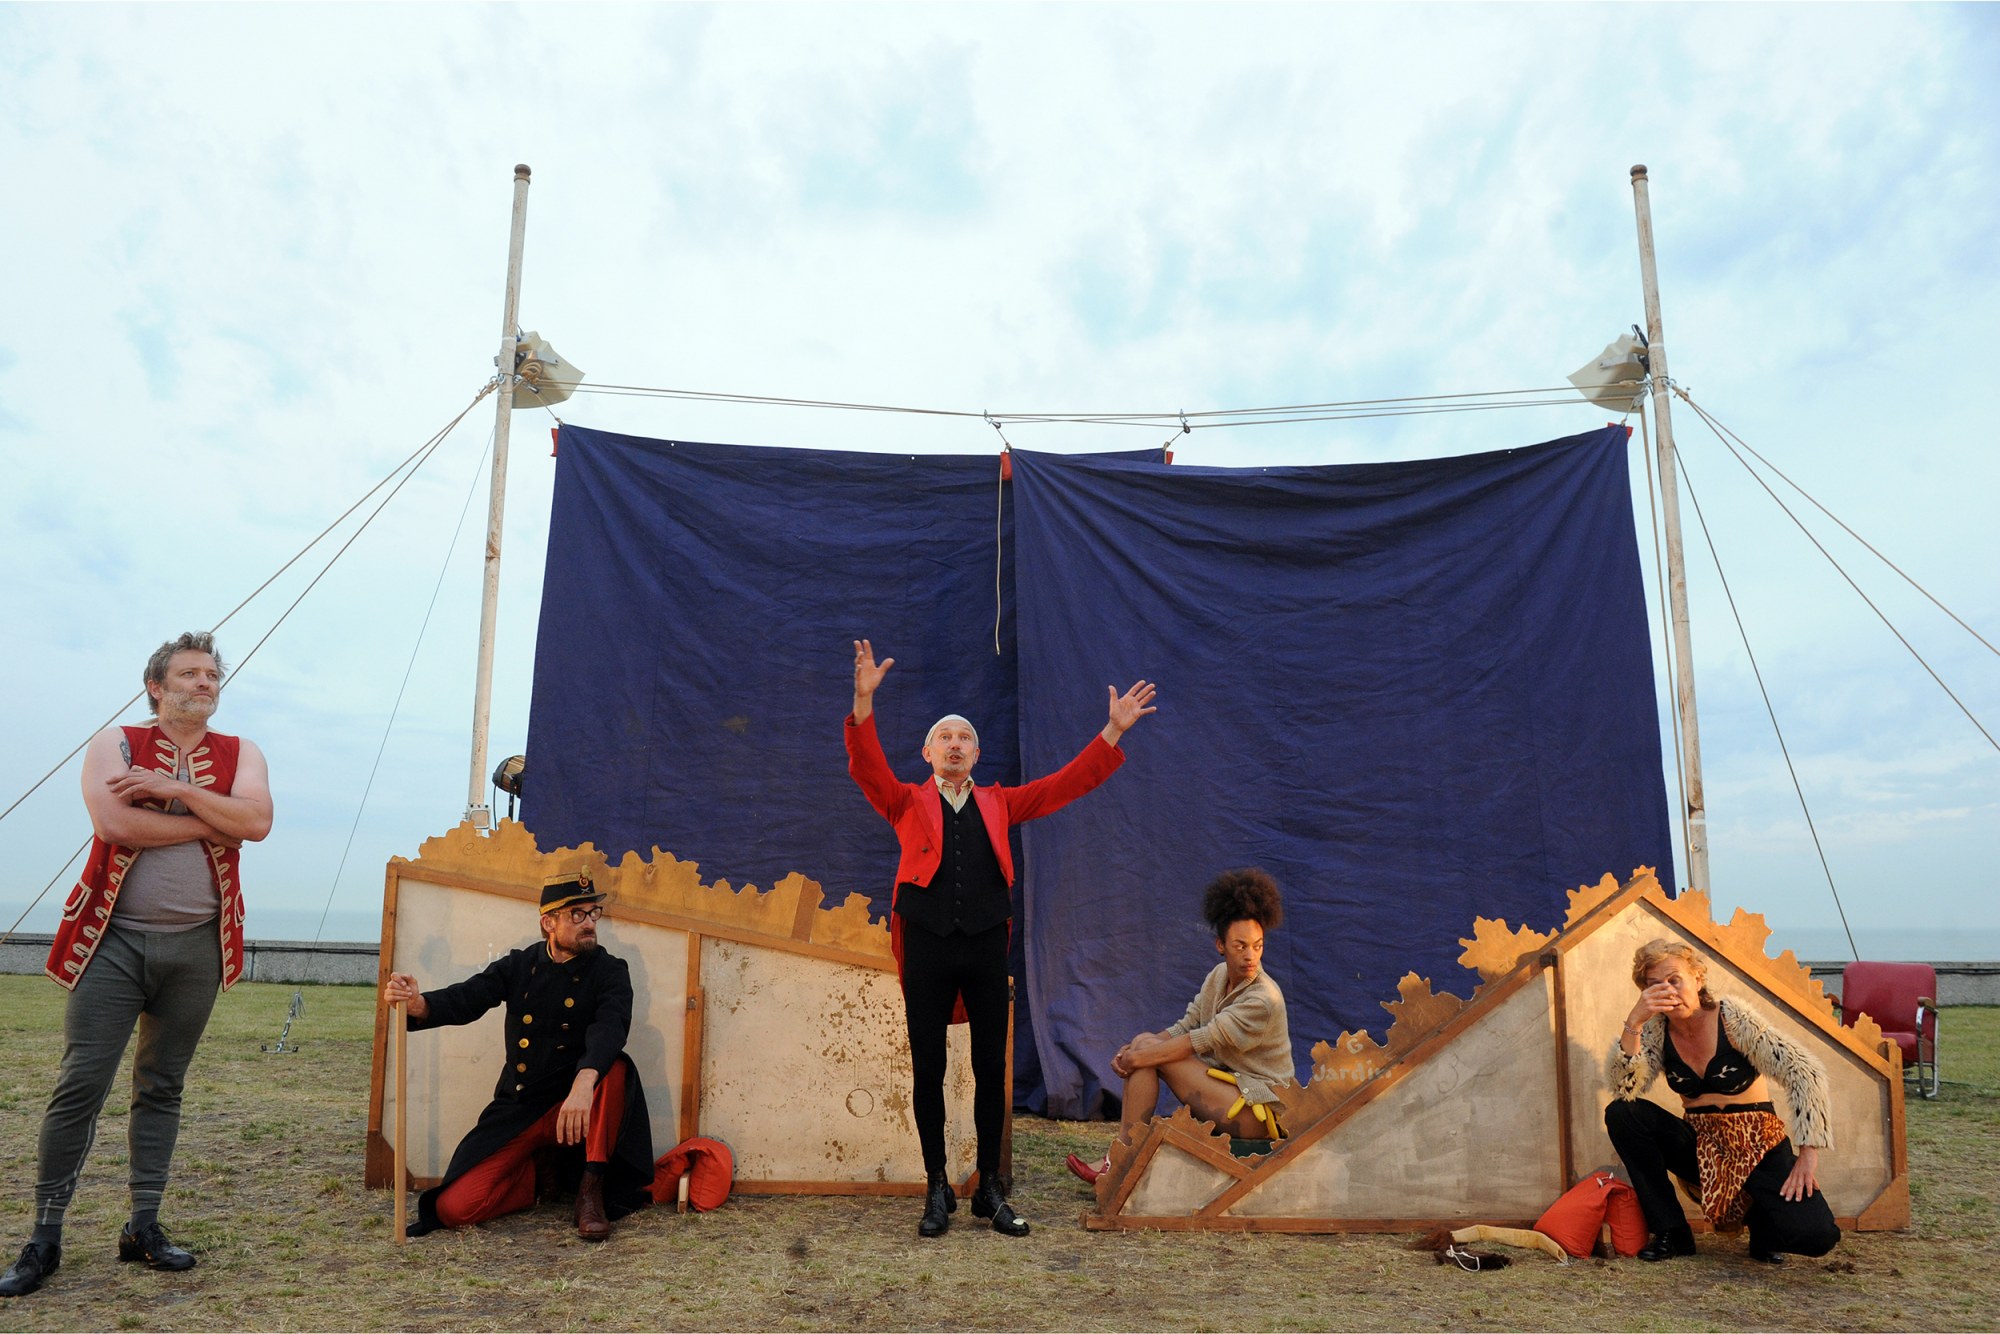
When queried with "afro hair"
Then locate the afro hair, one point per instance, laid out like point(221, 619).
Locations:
point(1235, 896)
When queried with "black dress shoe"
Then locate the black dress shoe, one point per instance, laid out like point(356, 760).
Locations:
point(1667, 1245)
point(1764, 1257)
point(38, 1260)
point(988, 1202)
point(152, 1246)
point(940, 1202)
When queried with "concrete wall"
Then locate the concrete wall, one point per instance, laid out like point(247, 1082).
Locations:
point(293, 961)
point(353, 963)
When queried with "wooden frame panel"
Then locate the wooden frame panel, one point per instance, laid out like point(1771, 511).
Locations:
point(748, 1004)
point(1390, 1105)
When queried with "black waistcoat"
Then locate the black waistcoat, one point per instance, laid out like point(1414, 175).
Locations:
point(968, 893)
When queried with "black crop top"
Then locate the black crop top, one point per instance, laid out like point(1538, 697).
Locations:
point(1729, 1071)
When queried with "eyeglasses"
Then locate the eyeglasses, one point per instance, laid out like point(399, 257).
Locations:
point(590, 914)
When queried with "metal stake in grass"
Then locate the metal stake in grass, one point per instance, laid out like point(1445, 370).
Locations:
point(298, 1008)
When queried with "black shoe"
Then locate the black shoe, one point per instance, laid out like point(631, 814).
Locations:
point(940, 1202)
point(1667, 1245)
point(38, 1260)
point(152, 1246)
point(989, 1202)
point(1764, 1257)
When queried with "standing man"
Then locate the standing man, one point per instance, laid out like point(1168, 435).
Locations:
point(566, 1082)
point(150, 934)
point(952, 912)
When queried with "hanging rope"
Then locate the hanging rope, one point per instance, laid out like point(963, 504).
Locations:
point(999, 509)
point(1714, 427)
point(1783, 749)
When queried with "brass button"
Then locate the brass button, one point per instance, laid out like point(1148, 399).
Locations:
point(568, 1001)
point(527, 1019)
point(524, 1042)
point(522, 1066)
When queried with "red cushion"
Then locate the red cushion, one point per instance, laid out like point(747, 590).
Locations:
point(1627, 1219)
point(707, 1164)
point(1574, 1220)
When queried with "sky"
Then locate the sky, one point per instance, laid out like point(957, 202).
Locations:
point(259, 252)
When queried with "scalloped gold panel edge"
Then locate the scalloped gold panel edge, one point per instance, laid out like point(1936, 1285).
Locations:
point(791, 910)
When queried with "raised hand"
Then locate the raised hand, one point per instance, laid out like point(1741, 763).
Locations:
point(868, 675)
point(1128, 708)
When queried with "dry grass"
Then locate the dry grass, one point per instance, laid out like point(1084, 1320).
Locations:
point(267, 1189)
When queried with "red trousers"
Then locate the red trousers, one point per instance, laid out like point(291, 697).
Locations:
point(505, 1182)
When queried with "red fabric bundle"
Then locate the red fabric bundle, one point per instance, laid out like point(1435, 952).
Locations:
point(1573, 1221)
point(707, 1164)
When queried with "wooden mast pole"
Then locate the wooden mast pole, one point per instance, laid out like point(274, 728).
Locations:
point(476, 809)
point(1696, 814)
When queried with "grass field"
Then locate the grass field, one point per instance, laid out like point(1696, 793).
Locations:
point(267, 1190)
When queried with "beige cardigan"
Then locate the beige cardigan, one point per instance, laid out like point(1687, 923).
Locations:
point(1243, 1031)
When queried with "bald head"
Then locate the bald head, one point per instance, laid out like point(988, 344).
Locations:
point(951, 748)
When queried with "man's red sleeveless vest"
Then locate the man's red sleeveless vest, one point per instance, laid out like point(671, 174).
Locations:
point(212, 764)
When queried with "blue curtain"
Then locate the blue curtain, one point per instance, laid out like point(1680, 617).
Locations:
point(1413, 692)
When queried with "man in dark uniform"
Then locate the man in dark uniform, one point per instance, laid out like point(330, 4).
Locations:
point(952, 910)
point(567, 1084)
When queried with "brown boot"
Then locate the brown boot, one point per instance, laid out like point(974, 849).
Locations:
point(591, 1224)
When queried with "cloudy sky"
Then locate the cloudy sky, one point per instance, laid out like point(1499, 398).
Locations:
point(257, 255)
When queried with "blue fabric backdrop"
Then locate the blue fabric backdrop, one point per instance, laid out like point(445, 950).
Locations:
point(1414, 692)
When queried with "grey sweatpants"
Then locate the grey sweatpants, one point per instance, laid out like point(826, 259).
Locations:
point(165, 983)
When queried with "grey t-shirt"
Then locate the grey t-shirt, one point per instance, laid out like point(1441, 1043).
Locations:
point(170, 888)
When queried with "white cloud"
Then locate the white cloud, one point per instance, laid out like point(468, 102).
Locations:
point(264, 246)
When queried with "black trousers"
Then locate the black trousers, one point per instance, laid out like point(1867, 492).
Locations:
point(937, 971)
point(1653, 1142)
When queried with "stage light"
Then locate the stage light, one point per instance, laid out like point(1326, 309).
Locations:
point(509, 776)
point(1617, 378)
point(545, 378)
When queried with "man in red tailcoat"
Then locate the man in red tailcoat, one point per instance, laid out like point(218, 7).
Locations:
point(953, 911)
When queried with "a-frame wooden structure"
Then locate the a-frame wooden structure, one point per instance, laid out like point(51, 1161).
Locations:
point(1485, 1110)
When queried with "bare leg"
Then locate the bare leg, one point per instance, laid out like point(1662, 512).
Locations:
point(1207, 1097)
point(1142, 1094)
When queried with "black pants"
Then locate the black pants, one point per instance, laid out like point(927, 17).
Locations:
point(937, 971)
point(1652, 1141)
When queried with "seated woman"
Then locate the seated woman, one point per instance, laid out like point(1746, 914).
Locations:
point(1731, 1149)
point(1233, 1046)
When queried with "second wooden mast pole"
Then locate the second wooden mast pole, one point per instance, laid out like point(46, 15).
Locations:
point(1696, 814)
point(489, 608)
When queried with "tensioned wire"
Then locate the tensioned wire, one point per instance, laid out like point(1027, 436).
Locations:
point(407, 468)
point(1769, 708)
point(1718, 429)
point(1280, 414)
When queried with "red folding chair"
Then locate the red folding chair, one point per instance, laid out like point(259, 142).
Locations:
point(1901, 997)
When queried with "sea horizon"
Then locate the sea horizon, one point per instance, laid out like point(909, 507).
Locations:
point(1810, 945)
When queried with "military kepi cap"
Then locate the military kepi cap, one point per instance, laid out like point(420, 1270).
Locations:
point(570, 887)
